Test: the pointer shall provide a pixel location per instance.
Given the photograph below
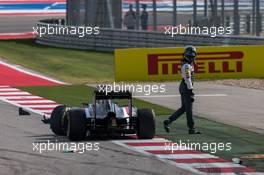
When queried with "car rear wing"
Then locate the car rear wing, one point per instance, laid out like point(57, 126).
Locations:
point(102, 95)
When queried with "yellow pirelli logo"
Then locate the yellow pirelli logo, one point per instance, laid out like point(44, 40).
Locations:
point(157, 64)
point(174, 62)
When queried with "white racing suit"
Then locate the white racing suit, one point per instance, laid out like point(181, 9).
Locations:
point(187, 96)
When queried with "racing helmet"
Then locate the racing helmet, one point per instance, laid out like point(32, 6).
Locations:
point(189, 54)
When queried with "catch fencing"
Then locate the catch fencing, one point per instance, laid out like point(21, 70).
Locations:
point(111, 39)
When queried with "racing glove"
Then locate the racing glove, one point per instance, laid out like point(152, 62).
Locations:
point(192, 95)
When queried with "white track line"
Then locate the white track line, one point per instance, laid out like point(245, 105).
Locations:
point(4, 86)
point(8, 89)
point(25, 98)
point(156, 148)
point(253, 173)
point(140, 141)
point(14, 93)
point(43, 111)
point(215, 165)
point(184, 156)
point(171, 96)
point(40, 106)
point(33, 101)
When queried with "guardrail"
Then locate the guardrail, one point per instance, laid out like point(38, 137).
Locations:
point(110, 39)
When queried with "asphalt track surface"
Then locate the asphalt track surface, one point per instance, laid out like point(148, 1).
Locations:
point(15, 24)
point(17, 156)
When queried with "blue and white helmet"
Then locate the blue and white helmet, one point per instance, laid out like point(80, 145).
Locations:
point(189, 54)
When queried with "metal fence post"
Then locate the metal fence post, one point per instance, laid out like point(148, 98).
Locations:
point(155, 15)
point(194, 12)
point(174, 12)
point(223, 12)
point(91, 11)
point(137, 14)
point(253, 17)
point(205, 8)
point(86, 18)
point(248, 27)
point(236, 18)
point(215, 10)
point(110, 13)
point(258, 18)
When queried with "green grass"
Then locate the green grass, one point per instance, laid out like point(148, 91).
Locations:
point(243, 142)
point(73, 66)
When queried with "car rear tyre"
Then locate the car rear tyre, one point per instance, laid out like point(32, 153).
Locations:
point(146, 124)
point(56, 120)
point(76, 124)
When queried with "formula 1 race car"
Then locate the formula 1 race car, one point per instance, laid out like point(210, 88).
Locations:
point(103, 117)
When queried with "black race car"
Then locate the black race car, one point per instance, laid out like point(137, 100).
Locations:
point(104, 116)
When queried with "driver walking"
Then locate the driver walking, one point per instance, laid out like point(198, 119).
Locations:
point(186, 91)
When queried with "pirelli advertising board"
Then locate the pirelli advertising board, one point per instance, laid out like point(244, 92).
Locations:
point(160, 64)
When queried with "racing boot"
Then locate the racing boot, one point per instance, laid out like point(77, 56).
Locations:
point(166, 124)
point(194, 131)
